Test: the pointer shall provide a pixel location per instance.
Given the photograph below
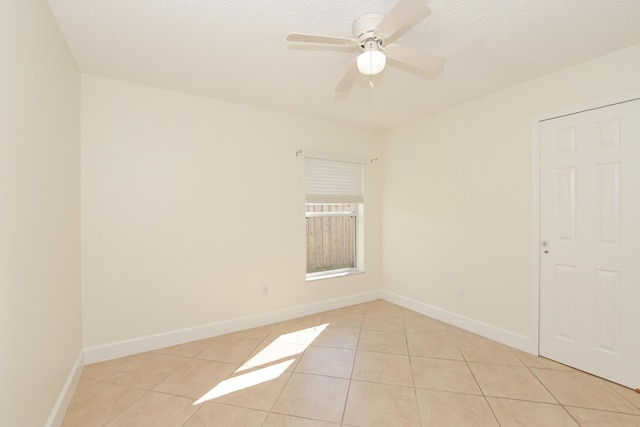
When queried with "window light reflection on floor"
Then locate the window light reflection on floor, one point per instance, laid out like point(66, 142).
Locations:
point(283, 347)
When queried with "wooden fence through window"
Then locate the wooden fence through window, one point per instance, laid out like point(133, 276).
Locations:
point(330, 239)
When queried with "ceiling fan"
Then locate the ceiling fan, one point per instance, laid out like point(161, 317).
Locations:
point(370, 32)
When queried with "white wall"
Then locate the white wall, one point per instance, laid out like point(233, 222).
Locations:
point(190, 205)
point(457, 194)
point(40, 314)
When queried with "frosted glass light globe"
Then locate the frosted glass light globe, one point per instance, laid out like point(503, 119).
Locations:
point(371, 62)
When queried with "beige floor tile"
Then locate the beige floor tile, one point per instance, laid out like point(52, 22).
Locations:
point(333, 362)
point(425, 325)
point(384, 342)
point(343, 320)
point(541, 362)
point(229, 349)
point(583, 390)
point(357, 308)
point(381, 405)
point(312, 396)
point(382, 368)
point(256, 333)
point(444, 409)
point(214, 414)
point(255, 394)
point(384, 310)
point(310, 320)
point(95, 403)
point(478, 349)
point(85, 384)
point(338, 337)
point(519, 413)
point(511, 382)
point(439, 345)
point(462, 335)
point(629, 394)
point(156, 410)
point(533, 361)
point(100, 370)
point(146, 370)
point(279, 420)
point(445, 375)
point(408, 315)
point(383, 323)
point(195, 378)
point(595, 418)
point(190, 349)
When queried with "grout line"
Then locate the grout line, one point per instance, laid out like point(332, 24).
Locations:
point(484, 395)
point(602, 410)
point(353, 366)
point(406, 343)
point(415, 391)
point(413, 382)
point(541, 383)
point(125, 409)
point(613, 387)
point(192, 415)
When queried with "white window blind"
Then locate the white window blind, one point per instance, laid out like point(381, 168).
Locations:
point(333, 181)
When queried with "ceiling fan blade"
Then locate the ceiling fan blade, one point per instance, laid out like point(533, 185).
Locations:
point(402, 12)
point(433, 64)
point(312, 38)
point(349, 77)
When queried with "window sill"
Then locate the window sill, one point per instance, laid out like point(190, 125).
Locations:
point(331, 274)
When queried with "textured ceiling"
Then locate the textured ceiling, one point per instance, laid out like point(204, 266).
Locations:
point(235, 50)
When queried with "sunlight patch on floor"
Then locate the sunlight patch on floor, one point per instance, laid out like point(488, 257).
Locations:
point(283, 347)
point(244, 381)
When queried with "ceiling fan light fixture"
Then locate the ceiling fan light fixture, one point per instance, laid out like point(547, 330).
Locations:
point(371, 61)
point(371, 32)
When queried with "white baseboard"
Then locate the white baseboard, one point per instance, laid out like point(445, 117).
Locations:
point(503, 336)
point(64, 399)
point(181, 336)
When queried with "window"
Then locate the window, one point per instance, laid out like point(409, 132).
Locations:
point(335, 207)
point(331, 237)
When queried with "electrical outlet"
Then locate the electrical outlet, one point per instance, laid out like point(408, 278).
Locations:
point(298, 300)
point(265, 290)
point(458, 290)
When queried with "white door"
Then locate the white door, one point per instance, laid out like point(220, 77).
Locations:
point(590, 241)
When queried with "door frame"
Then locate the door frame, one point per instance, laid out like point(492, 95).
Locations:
point(535, 198)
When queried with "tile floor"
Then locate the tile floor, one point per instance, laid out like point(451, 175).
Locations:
point(373, 364)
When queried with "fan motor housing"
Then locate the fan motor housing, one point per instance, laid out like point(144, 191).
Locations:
point(364, 28)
